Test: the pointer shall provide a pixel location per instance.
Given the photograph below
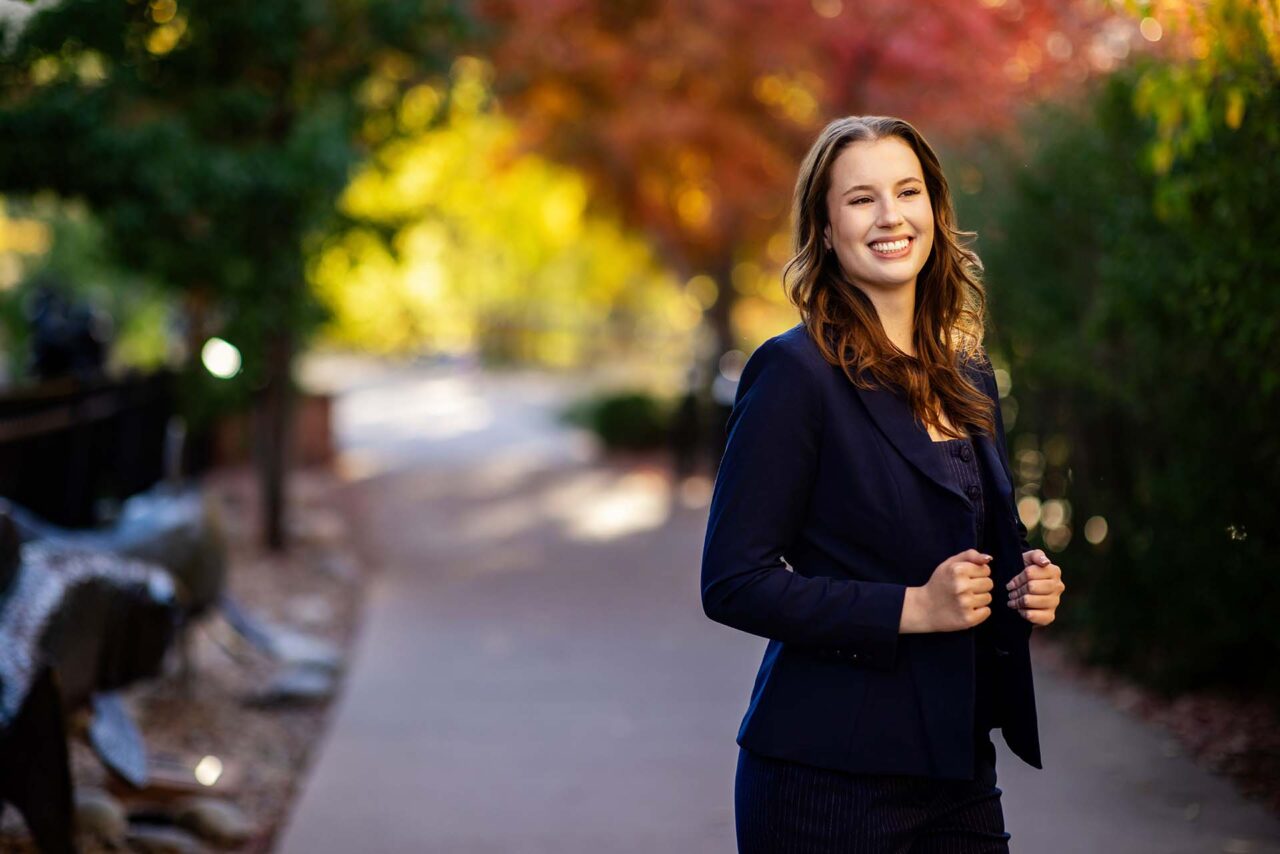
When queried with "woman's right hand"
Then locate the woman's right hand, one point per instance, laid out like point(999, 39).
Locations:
point(956, 597)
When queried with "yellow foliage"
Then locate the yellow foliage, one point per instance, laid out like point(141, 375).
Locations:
point(703, 289)
point(693, 205)
point(419, 107)
point(165, 37)
point(493, 249)
point(26, 236)
point(163, 11)
point(1235, 108)
point(1218, 40)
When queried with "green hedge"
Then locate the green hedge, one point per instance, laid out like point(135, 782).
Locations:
point(1140, 317)
point(624, 420)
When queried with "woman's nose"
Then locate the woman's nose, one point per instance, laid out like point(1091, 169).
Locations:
point(889, 216)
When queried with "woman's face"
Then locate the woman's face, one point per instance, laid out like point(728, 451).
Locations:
point(878, 196)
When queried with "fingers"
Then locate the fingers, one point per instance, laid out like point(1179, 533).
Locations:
point(1038, 617)
point(965, 571)
point(1037, 579)
point(978, 615)
point(1033, 601)
point(1050, 587)
point(972, 562)
point(1036, 591)
point(1035, 557)
point(976, 596)
point(1037, 585)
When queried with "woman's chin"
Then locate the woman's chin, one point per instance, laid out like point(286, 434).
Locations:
point(886, 280)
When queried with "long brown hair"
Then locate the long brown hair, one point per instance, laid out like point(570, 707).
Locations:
point(950, 305)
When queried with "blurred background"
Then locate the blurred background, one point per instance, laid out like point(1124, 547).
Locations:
point(364, 367)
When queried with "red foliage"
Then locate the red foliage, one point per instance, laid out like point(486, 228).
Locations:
point(691, 117)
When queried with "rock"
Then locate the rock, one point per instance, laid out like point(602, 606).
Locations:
point(296, 685)
point(156, 839)
point(173, 778)
point(339, 566)
point(310, 609)
point(218, 821)
point(304, 650)
point(320, 525)
point(281, 642)
point(100, 816)
point(116, 739)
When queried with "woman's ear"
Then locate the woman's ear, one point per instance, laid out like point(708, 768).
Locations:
point(826, 235)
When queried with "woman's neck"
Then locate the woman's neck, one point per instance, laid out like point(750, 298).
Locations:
point(897, 311)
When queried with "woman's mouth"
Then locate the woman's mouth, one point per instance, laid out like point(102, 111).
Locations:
point(891, 249)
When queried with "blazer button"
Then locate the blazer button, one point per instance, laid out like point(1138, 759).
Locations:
point(964, 452)
point(973, 491)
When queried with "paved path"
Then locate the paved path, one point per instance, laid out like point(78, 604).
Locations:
point(535, 673)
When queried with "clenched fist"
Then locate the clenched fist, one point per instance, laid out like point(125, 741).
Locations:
point(1037, 591)
point(957, 596)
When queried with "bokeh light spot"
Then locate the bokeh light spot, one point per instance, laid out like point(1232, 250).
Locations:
point(220, 358)
point(1095, 529)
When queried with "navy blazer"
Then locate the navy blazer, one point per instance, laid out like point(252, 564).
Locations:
point(829, 502)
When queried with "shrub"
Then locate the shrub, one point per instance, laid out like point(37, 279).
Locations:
point(1140, 316)
point(624, 420)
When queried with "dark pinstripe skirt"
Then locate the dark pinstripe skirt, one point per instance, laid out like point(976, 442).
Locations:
point(787, 808)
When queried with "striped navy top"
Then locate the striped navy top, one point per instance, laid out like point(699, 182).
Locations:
point(963, 468)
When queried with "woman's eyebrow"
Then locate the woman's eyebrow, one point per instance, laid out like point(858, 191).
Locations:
point(901, 181)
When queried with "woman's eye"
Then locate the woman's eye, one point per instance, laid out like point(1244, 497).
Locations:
point(913, 191)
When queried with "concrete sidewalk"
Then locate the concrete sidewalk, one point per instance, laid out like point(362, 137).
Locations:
point(535, 674)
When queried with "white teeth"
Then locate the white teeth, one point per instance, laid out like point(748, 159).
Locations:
point(889, 248)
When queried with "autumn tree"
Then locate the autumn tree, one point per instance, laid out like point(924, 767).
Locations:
point(490, 252)
point(211, 139)
point(690, 117)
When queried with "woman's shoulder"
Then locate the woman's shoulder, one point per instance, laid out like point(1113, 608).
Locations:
point(788, 368)
point(794, 351)
point(977, 364)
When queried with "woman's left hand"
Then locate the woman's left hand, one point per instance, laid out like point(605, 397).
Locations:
point(1037, 590)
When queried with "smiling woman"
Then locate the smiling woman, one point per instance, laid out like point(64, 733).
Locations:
point(866, 447)
point(874, 290)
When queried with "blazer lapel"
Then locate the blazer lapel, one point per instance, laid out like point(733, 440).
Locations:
point(895, 420)
point(988, 451)
point(990, 456)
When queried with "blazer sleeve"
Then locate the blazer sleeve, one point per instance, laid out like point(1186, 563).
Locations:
point(758, 509)
point(987, 372)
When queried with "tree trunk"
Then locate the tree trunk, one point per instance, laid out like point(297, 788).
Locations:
point(719, 319)
point(719, 315)
point(272, 437)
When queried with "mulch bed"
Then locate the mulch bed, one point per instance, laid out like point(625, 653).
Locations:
point(316, 587)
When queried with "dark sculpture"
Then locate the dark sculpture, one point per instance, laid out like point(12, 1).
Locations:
point(68, 338)
point(170, 526)
point(72, 622)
